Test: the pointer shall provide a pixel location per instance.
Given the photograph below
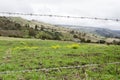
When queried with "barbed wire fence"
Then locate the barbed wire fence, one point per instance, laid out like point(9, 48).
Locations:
point(59, 16)
point(57, 68)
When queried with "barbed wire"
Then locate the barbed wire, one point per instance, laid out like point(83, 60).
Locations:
point(50, 15)
point(57, 68)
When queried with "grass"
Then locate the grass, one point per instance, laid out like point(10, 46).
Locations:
point(28, 54)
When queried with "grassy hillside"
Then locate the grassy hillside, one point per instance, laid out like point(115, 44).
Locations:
point(19, 27)
point(34, 59)
point(97, 31)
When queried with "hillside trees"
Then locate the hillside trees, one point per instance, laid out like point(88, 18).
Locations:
point(18, 26)
point(43, 35)
point(36, 27)
point(27, 26)
point(32, 32)
point(42, 27)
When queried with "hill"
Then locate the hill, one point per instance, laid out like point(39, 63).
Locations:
point(97, 31)
point(19, 27)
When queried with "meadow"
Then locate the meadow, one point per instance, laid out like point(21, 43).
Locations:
point(35, 59)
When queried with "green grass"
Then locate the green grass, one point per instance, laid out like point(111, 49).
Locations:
point(28, 54)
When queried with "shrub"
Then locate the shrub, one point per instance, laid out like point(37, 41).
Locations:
point(43, 35)
point(101, 41)
point(82, 39)
point(25, 48)
point(73, 46)
point(55, 47)
point(23, 43)
point(88, 41)
point(32, 32)
point(75, 36)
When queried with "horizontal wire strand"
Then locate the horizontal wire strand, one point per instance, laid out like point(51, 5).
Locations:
point(57, 68)
point(49, 15)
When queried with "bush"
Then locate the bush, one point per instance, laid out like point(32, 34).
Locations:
point(82, 39)
point(73, 46)
point(55, 47)
point(25, 48)
point(75, 36)
point(32, 32)
point(101, 41)
point(88, 41)
point(43, 35)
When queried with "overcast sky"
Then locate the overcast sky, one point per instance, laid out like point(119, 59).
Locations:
point(87, 8)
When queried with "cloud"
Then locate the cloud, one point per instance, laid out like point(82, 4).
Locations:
point(15, 6)
point(90, 8)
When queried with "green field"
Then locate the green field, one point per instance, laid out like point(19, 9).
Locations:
point(34, 59)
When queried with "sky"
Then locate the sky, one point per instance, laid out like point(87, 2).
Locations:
point(85, 8)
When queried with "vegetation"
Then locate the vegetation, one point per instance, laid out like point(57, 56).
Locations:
point(18, 54)
point(18, 27)
point(104, 32)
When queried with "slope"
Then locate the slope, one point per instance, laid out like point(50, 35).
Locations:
point(19, 27)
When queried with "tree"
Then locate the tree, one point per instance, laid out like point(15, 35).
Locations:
point(101, 41)
point(75, 36)
point(57, 36)
point(72, 32)
point(27, 26)
point(42, 27)
point(32, 32)
point(36, 27)
point(82, 39)
point(88, 41)
point(44, 35)
point(18, 26)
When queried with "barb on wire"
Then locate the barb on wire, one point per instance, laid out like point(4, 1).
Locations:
point(57, 68)
point(47, 15)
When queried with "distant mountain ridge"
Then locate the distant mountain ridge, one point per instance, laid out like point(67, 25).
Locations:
point(97, 31)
